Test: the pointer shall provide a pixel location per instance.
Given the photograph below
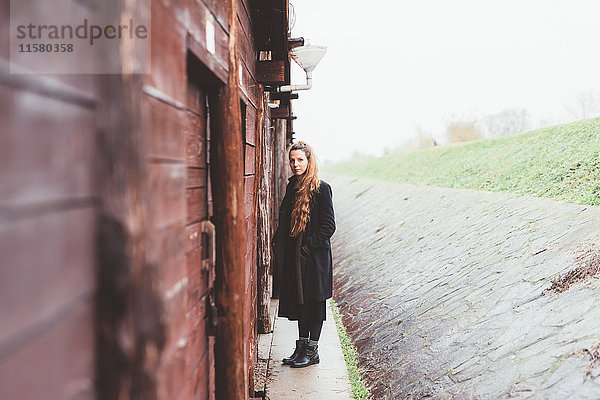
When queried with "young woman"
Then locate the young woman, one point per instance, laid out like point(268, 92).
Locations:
point(303, 253)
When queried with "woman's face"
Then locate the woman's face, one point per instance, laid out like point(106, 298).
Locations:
point(298, 162)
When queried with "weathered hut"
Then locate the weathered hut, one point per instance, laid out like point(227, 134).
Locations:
point(136, 210)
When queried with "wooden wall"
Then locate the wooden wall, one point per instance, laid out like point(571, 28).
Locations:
point(176, 155)
point(105, 183)
point(47, 225)
point(251, 96)
point(177, 158)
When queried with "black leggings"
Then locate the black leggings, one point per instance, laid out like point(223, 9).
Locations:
point(310, 329)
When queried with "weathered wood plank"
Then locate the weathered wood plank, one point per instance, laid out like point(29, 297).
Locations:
point(50, 86)
point(47, 264)
point(243, 13)
point(5, 30)
point(196, 205)
point(82, 82)
point(246, 51)
point(198, 387)
point(248, 195)
point(250, 90)
point(251, 321)
point(195, 142)
point(42, 157)
point(167, 189)
point(184, 309)
point(280, 176)
point(196, 96)
point(58, 364)
point(270, 72)
point(210, 197)
point(280, 112)
point(221, 9)
point(168, 73)
point(264, 213)
point(215, 61)
point(250, 249)
point(167, 127)
point(249, 160)
point(196, 177)
point(184, 362)
point(227, 170)
point(170, 244)
point(251, 125)
point(127, 268)
point(198, 279)
point(197, 338)
point(193, 237)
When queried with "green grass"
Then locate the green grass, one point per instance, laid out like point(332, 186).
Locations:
point(561, 162)
point(359, 390)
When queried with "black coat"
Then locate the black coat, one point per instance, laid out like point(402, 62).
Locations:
point(312, 266)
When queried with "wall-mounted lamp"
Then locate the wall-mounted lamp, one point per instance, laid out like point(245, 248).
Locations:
point(307, 57)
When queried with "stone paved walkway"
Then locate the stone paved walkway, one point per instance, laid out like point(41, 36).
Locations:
point(443, 291)
point(327, 380)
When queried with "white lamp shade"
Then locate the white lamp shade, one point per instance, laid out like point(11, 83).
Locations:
point(307, 57)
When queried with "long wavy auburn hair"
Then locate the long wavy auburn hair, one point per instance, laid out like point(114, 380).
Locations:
point(307, 185)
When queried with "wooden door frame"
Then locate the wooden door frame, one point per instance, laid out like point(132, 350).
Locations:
point(226, 177)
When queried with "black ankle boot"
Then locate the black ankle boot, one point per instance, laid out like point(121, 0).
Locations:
point(308, 356)
point(300, 344)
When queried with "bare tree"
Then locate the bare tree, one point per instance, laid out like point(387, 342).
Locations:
point(463, 131)
point(508, 122)
point(424, 138)
point(585, 104)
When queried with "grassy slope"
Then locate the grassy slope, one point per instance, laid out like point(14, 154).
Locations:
point(355, 374)
point(560, 162)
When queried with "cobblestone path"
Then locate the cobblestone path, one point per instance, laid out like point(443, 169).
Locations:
point(443, 292)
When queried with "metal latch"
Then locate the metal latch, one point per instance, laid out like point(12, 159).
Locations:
point(207, 228)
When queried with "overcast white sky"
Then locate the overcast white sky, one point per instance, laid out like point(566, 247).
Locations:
point(394, 66)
